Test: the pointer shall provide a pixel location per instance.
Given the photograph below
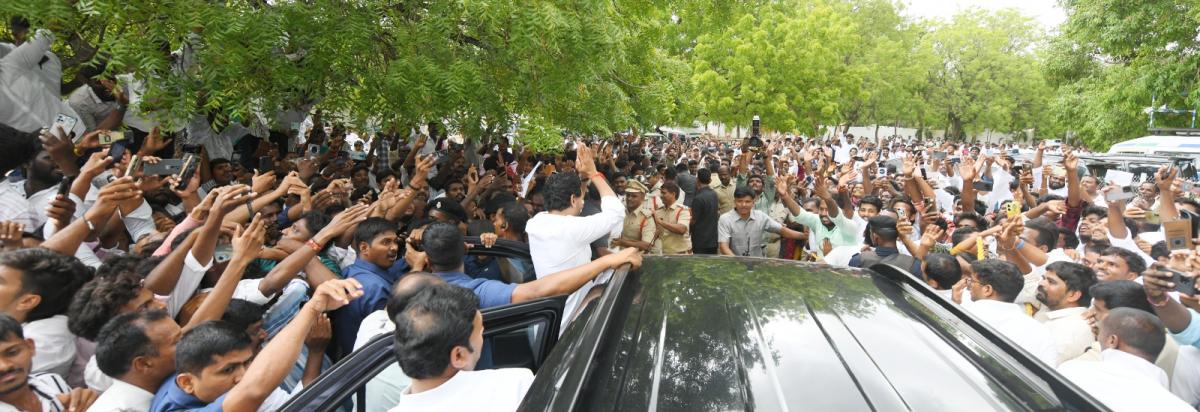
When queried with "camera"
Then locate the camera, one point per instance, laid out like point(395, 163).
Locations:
point(756, 142)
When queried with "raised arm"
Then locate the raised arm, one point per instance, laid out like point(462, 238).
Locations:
point(287, 269)
point(275, 360)
point(1116, 214)
point(1074, 191)
point(967, 171)
point(67, 240)
point(1165, 180)
point(246, 244)
point(570, 280)
point(586, 164)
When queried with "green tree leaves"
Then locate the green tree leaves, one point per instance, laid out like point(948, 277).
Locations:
point(1120, 56)
point(783, 62)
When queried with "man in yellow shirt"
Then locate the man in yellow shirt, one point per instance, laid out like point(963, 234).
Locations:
point(639, 227)
point(673, 220)
point(724, 186)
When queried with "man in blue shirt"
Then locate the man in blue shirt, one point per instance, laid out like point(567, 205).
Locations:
point(444, 250)
point(217, 370)
point(377, 269)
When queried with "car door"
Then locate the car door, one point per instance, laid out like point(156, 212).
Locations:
point(370, 380)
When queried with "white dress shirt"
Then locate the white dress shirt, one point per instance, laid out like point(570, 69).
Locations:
point(1124, 382)
point(1070, 331)
point(1185, 381)
point(487, 390)
point(1011, 321)
point(53, 343)
point(561, 242)
point(123, 397)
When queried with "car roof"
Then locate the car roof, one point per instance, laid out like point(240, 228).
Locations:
point(708, 333)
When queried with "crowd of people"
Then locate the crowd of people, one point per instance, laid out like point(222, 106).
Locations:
point(154, 267)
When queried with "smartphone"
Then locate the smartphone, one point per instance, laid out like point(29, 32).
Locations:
point(117, 151)
point(265, 164)
point(1183, 283)
point(1016, 170)
point(924, 175)
point(901, 214)
point(1124, 193)
point(111, 137)
point(185, 174)
point(66, 123)
point(756, 127)
point(65, 185)
point(164, 167)
point(133, 165)
point(982, 186)
point(223, 253)
point(1012, 209)
point(1178, 234)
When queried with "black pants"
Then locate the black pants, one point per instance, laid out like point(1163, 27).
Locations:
point(705, 250)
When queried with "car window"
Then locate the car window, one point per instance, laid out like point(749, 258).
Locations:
point(506, 346)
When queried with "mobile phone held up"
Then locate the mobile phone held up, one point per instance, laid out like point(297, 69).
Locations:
point(755, 142)
point(1185, 284)
point(186, 173)
point(109, 138)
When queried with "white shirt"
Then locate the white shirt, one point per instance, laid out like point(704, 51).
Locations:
point(53, 343)
point(1124, 382)
point(1010, 320)
point(189, 280)
point(13, 204)
point(90, 108)
point(561, 242)
point(26, 103)
point(94, 378)
point(487, 390)
point(1070, 331)
point(47, 387)
point(123, 397)
point(375, 324)
point(386, 387)
point(1185, 382)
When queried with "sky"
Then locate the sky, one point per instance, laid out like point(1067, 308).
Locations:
point(1046, 12)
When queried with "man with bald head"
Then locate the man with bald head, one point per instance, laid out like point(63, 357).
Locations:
point(1126, 378)
point(724, 187)
point(384, 391)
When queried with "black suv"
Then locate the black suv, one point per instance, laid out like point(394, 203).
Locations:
point(704, 333)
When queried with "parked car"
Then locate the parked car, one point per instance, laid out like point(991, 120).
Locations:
point(703, 333)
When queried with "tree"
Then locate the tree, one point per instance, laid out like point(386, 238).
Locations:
point(584, 66)
point(894, 61)
point(782, 61)
point(1119, 57)
point(987, 72)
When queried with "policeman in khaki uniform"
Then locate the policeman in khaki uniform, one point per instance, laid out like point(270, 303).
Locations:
point(639, 227)
point(673, 220)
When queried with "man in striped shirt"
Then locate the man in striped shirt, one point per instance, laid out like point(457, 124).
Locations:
point(22, 391)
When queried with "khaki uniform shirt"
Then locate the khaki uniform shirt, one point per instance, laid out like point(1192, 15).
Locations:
point(639, 226)
point(674, 243)
point(724, 195)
